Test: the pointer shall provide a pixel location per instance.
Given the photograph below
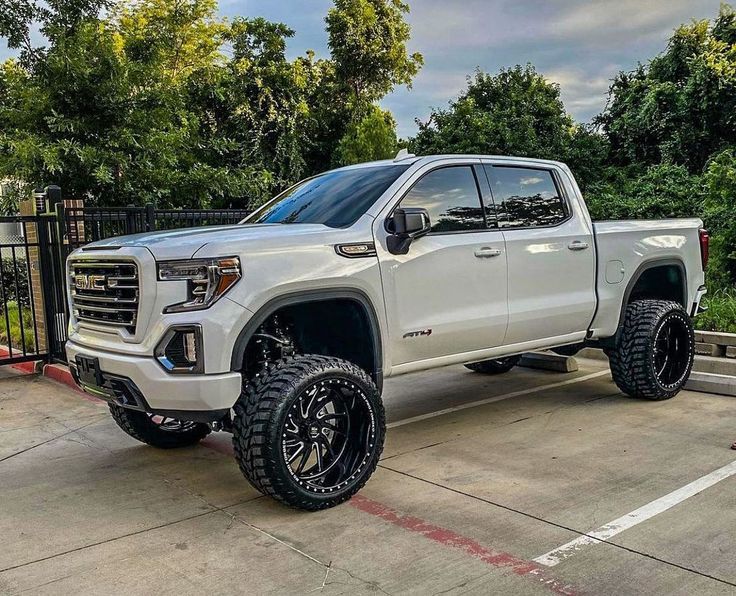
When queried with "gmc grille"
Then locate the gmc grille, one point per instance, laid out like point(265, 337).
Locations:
point(105, 293)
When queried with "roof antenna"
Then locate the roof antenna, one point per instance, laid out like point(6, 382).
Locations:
point(403, 154)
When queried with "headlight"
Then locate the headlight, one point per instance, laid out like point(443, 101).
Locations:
point(208, 280)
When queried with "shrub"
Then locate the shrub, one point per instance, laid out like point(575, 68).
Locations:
point(12, 273)
point(721, 313)
point(13, 317)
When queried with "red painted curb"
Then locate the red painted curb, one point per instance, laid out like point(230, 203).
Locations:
point(24, 367)
point(60, 374)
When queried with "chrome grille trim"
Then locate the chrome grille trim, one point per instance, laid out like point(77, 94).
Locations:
point(105, 292)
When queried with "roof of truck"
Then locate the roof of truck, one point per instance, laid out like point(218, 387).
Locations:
point(410, 159)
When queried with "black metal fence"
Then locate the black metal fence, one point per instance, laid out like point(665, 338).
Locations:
point(33, 250)
point(32, 301)
point(87, 224)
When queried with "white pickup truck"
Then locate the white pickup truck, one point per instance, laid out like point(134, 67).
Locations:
point(281, 329)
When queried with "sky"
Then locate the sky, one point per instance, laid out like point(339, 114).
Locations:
point(580, 44)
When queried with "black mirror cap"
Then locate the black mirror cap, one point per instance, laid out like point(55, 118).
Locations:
point(405, 225)
point(413, 221)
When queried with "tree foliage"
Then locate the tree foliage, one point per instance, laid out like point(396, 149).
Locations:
point(515, 112)
point(370, 139)
point(681, 107)
point(368, 39)
point(162, 101)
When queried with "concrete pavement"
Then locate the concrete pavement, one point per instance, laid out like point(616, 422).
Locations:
point(479, 477)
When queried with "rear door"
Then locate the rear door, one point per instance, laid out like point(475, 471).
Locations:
point(447, 295)
point(550, 253)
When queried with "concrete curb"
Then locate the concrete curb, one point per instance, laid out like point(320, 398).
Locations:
point(710, 383)
point(61, 374)
point(549, 361)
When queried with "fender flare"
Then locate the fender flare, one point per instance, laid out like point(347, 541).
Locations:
point(305, 296)
point(640, 270)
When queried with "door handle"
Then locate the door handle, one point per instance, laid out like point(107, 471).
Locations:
point(487, 252)
point(577, 245)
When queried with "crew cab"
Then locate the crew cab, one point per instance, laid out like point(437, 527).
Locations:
point(282, 329)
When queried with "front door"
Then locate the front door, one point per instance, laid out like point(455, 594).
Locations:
point(447, 295)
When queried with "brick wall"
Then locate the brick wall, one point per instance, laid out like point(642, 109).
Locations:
point(34, 275)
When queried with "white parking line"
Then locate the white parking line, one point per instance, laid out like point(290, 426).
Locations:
point(629, 520)
point(490, 400)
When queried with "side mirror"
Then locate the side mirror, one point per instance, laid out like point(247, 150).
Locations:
point(406, 224)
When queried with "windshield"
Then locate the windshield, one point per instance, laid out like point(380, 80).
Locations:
point(335, 199)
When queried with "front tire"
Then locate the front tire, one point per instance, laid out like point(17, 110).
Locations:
point(309, 430)
point(158, 431)
point(496, 366)
point(656, 350)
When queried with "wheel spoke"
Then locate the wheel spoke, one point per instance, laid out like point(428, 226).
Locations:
point(318, 453)
point(332, 427)
point(294, 455)
point(303, 461)
point(328, 446)
point(333, 416)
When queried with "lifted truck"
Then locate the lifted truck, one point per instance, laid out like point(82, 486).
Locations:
point(281, 329)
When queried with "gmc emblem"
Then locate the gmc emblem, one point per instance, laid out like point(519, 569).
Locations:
point(83, 281)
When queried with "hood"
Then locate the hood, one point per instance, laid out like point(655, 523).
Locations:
point(185, 242)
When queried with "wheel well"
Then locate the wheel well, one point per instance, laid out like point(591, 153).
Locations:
point(664, 280)
point(661, 282)
point(342, 327)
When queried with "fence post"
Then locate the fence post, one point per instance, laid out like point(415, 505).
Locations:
point(29, 207)
point(150, 217)
point(72, 225)
point(53, 196)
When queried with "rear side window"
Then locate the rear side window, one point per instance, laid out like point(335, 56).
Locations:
point(450, 196)
point(525, 197)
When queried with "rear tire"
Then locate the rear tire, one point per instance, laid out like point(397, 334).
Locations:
point(496, 366)
point(309, 430)
point(655, 353)
point(158, 431)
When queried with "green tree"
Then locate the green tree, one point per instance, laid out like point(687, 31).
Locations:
point(720, 215)
point(162, 101)
point(372, 138)
point(53, 18)
point(367, 40)
point(660, 191)
point(368, 58)
point(681, 107)
point(515, 112)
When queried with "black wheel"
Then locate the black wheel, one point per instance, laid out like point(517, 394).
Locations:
point(309, 431)
point(655, 352)
point(494, 367)
point(159, 431)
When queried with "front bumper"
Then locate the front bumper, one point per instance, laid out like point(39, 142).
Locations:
point(149, 387)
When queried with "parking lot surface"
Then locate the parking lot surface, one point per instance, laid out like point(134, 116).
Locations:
point(531, 482)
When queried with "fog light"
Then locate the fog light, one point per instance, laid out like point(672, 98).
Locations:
point(180, 350)
point(190, 347)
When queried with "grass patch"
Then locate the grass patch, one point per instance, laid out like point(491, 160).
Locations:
point(13, 315)
point(721, 313)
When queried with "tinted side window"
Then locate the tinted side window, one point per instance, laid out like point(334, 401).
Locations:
point(525, 197)
point(450, 195)
point(336, 199)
